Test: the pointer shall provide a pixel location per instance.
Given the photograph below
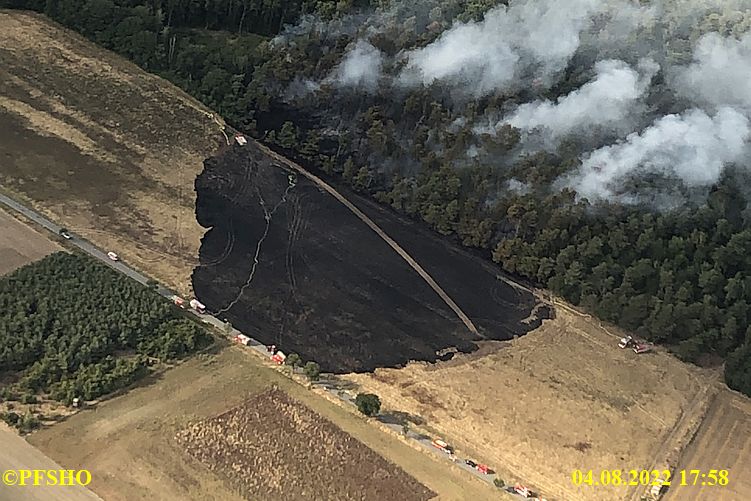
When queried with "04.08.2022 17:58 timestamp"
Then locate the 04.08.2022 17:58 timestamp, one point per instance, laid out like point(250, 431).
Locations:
point(665, 478)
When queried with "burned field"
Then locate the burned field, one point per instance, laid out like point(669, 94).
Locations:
point(289, 264)
point(273, 447)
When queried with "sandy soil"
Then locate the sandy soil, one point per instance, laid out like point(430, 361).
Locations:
point(129, 443)
point(560, 398)
point(722, 443)
point(100, 146)
point(20, 244)
point(15, 454)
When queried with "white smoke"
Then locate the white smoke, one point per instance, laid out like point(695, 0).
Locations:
point(693, 146)
point(528, 35)
point(360, 68)
point(720, 73)
point(606, 101)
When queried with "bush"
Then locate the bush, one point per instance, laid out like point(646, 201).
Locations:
point(28, 423)
point(368, 403)
point(738, 369)
point(293, 360)
point(498, 482)
point(11, 418)
point(29, 398)
point(312, 370)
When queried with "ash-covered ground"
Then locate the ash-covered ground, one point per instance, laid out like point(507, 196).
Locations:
point(290, 265)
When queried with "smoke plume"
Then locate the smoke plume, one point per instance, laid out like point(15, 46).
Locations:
point(720, 73)
point(538, 36)
point(605, 101)
point(692, 146)
point(360, 68)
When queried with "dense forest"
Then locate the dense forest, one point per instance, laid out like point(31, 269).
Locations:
point(664, 253)
point(73, 328)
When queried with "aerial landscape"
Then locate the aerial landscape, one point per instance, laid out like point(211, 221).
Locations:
point(371, 250)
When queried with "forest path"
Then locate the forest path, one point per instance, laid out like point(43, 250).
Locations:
point(373, 226)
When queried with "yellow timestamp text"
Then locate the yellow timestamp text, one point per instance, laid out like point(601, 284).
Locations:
point(665, 478)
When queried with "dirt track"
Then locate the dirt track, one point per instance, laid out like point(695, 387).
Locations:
point(528, 406)
point(722, 443)
point(291, 265)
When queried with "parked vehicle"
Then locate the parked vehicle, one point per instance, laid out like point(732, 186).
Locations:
point(113, 256)
point(178, 301)
point(198, 306)
point(643, 347)
point(625, 342)
point(483, 469)
point(470, 463)
point(440, 444)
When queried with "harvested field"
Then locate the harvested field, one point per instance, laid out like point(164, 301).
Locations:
point(273, 447)
point(722, 443)
point(128, 442)
point(21, 244)
point(562, 397)
point(97, 144)
point(17, 454)
point(288, 263)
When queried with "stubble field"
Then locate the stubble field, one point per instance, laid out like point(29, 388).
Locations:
point(562, 397)
point(21, 244)
point(100, 146)
point(129, 443)
point(722, 443)
point(17, 454)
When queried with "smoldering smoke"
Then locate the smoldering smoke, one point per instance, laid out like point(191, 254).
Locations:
point(702, 48)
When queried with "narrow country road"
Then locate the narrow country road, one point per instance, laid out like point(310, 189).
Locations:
point(231, 332)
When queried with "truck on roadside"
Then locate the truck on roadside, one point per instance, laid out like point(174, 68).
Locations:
point(197, 306)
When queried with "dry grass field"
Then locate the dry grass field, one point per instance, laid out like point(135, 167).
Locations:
point(20, 244)
point(16, 454)
point(274, 447)
point(563, 397)
point(97, 144)
point(129, 442)
point(722, 443)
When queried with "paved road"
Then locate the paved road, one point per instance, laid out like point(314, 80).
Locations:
point(231, 332)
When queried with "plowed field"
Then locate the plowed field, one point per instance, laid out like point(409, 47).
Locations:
point(274, 447)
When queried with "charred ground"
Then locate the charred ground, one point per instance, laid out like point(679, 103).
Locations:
point(322, 284)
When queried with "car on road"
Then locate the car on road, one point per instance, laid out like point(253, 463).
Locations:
point(64, 233)
point(113, 256)
point(470, 463)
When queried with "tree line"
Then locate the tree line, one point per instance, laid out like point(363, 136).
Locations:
point(71, 327)
point(678, 277)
